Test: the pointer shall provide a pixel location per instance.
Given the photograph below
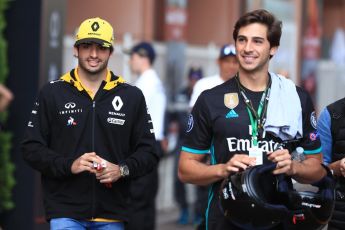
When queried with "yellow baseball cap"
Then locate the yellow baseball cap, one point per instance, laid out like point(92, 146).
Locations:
point(95, 30)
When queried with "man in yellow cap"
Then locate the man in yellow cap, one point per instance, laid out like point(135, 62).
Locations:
point(89, 133)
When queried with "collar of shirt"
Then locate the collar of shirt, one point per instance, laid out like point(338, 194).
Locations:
point(79, 84)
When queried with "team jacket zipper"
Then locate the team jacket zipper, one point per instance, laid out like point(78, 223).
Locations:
point(93, 149)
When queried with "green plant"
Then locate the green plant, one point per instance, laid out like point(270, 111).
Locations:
point(3, 44)
point(7, 180)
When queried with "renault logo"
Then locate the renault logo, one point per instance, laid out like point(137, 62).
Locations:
point(95, 26)
point(70, 105)
point(117, 103)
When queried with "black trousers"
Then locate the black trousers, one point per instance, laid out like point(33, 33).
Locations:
point(142, 210)
point(180, 192)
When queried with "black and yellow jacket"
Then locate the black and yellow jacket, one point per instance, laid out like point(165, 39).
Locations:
point(66, 123)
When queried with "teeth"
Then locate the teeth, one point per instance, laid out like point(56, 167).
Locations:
point(93, 63)
point(248, 59)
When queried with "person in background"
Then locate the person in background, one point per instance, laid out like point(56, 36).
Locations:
point(177, 127)
point(6, 97)
point(331, 128)
point(88, 135)
point(228, 67)
point(144, 189)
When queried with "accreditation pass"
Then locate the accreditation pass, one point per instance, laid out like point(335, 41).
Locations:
point(256, 152)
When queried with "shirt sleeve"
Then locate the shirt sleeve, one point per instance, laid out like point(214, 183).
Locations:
point(156, 102)
point(198, 136)
point(145, 155)
point(35, 147)
point(323, 127)
point(311, 140)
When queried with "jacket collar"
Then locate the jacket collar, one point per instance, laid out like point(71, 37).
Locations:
point(111, 80)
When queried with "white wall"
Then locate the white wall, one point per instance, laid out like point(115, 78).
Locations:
point(330, 83)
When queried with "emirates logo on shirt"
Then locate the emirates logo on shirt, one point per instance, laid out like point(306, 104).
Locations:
point(243, 145)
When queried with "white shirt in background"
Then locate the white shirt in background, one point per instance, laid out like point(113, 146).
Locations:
point(154, 94)
point(204, 84)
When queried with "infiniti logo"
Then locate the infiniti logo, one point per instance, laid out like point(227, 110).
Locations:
point(70, 109)
point(70, 105)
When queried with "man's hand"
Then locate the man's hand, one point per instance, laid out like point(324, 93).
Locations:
point(109, 174)
point(85, 163)
point(342, 167)
point(240, 162)
point(283, 159)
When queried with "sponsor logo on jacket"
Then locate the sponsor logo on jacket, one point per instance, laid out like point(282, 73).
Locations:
point(117, 103)
point(71, 122)
point(115, 121)
point(70, 108)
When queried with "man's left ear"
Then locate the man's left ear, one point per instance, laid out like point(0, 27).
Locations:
point(273, 50)
point(75, 51)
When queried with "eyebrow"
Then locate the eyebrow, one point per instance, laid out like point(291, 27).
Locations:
point(256, 38)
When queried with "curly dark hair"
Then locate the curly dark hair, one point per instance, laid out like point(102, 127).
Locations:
point(264, 17)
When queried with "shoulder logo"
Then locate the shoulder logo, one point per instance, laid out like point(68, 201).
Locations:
point(313, 136)
point(190, 123)
point(30, 124)
point(117, 103)
point(313, 120)
point(231, 101)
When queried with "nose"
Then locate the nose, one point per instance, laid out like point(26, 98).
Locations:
point(93, 51)
point(248, 46)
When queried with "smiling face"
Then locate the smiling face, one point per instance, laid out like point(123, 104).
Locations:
point(92, 58)
point(253, 49)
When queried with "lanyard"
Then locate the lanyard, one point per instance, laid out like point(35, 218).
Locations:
point(257, 118)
